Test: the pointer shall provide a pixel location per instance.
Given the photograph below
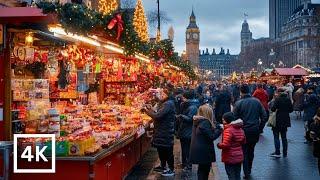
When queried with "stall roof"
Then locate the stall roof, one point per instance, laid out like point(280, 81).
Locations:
point(291, 71)
point(11, 15)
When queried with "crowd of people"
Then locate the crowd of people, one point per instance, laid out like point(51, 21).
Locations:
point(236, 112)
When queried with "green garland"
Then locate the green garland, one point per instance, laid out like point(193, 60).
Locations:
point(81, 20)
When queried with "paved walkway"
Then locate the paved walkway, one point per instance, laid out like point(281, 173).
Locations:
point(299, 165)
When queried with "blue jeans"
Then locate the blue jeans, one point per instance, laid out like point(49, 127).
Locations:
point(276, 136)
point(233, 171)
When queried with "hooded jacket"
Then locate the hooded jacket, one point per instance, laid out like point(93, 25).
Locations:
point(163, 124)
point(231, 143)
point(262, 95)
point(202, 149)
point(184, 120)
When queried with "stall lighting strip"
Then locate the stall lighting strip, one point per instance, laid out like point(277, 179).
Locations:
point(59, 31)
point(94, 41)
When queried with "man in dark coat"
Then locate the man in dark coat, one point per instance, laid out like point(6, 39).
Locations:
point(235, 92)
point(310, 106)
point(222, 103)
point(251, 111)
point(283, 107)
point(270, 90)
point(185, 121)
point(163, 138)
point(315, 135)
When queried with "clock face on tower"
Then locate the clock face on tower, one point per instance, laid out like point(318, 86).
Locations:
point(188, 35)
point(195, 36)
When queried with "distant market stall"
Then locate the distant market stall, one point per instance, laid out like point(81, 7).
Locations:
point(284, 75)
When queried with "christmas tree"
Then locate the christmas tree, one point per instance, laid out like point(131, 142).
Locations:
point(108, 6)
point(140, 22)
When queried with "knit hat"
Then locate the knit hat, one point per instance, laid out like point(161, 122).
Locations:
point(228, 117)
point(244, 89)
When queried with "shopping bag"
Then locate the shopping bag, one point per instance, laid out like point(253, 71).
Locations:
point(272, 119)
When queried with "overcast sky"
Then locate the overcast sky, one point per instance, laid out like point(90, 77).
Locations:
point(219, 20)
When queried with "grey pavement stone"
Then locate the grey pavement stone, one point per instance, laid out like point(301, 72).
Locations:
point(299, 165)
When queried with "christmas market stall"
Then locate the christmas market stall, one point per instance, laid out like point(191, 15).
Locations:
point(82, 75)
point(295, 75)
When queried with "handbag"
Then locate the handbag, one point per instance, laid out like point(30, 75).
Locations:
point(272, 119)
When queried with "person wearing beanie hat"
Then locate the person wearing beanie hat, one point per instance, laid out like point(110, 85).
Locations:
point(233, 138)
point(254, 116)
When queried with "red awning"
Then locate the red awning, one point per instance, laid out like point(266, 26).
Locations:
point(291, 71)
point(12, 15)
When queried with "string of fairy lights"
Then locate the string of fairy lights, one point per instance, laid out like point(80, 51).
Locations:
point(107, 7)
point(81, 20)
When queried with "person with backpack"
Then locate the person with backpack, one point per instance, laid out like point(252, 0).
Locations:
point(231, 144)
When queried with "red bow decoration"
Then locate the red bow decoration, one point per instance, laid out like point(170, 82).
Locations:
point(117, 20)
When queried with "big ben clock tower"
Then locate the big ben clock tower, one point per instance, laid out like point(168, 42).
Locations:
point(193, 41)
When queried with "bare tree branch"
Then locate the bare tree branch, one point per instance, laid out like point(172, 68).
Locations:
point(153, 18)
point(127, 4)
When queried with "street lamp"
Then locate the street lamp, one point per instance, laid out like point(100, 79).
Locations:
point(281, 64)
point(259, 64)
point(273, 65)
point(158, 38)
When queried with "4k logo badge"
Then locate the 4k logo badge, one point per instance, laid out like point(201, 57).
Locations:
point(35, 155)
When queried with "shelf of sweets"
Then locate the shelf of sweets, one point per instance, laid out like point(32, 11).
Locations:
point(120, 82)
point(88, 131)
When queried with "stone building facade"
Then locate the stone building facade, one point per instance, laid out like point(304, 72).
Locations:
point(300, 36)
point(219, 64)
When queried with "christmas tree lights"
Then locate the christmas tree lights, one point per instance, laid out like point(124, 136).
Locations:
point(106, 7)
point(140, 22)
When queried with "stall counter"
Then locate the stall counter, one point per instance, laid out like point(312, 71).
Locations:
point(109, 164)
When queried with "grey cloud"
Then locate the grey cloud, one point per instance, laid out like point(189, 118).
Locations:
point(219, 20)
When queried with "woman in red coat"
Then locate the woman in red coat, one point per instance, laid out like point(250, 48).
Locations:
point(231, 144)
point(263, 97)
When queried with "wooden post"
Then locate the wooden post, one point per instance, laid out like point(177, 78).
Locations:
point(7, 89)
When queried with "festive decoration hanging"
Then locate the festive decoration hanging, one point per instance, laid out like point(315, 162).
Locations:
point(107, 7)
point(117, 20)
point(79, 19)
point(140, 22)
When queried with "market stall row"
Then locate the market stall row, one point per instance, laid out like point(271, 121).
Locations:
point(86, 88)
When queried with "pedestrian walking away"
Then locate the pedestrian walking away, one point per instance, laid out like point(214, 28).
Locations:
point(315, 135)
point(283, 107)
point(310, 106)
point(251, 111)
